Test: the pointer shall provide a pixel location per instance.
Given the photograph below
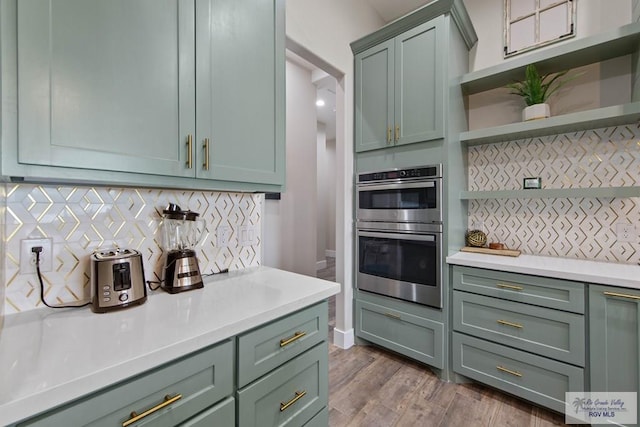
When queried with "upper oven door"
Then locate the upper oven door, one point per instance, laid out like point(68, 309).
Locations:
point(417, 201)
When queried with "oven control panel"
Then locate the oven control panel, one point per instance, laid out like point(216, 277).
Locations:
point(401, 174)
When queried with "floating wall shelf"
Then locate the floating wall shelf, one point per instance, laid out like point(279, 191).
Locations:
point(553, 193)
point(575, 53)
point(573, 122)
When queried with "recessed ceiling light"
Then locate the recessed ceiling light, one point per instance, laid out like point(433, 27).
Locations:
point(320, 102)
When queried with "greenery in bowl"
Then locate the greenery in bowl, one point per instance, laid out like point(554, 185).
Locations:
point(536, 89)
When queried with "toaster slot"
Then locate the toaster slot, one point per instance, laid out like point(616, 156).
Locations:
point(121, 276)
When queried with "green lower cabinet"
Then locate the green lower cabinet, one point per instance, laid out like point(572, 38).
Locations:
point(221, 415)
point(408, 334)
point(614, 322)
point(194, 383)
point(552, 333)
point(537, 379)
point(321, 419)
point(290, 395)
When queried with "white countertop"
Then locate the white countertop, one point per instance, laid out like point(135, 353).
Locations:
point(48, 357)
point(605, 273)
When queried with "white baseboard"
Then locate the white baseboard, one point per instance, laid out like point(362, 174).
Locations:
point(321, 264)
point(330, 253)
point(343, 339)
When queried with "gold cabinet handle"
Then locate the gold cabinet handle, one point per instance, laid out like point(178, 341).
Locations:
point(512, 287)
point(397, 132)
point(205, 146)
point(389, 135)
point(506, 323)
point(616, 294)
point(509, 371)
point(299, 395)
point(168, 400)
point(286, 341)
point(393, 316)
point(189, 152)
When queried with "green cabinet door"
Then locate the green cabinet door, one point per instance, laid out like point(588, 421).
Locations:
point(399, 89)
point(106, 85)
point(614, 321)
point(374, 97)
point(419, 93)
point(240, 79)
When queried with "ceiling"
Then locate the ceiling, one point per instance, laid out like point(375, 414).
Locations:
point(393, 9)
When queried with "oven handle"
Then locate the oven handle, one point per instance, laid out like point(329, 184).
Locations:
point(403, 236)
point(398, 186)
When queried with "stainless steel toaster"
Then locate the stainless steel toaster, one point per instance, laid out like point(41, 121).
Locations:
point(117, 280)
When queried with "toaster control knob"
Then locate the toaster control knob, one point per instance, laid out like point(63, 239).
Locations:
point(123, 297)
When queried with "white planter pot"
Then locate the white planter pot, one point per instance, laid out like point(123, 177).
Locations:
point(535, 112)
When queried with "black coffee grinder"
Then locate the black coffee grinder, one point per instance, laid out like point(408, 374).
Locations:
point(182, 231)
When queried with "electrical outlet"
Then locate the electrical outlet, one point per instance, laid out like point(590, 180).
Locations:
point(28, 257)
point(223, 234)
point(626, 232)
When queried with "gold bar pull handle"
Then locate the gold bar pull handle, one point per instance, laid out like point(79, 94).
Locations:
point(168, 400)
point(393, 316)
point(616, 294)
point(299, 395)
point(509, 371)
point(397, 133)
point(205, 147)
point(286, 341)
point(506, 323)
point(511, 287)
point(389, 135)
point(189, 151)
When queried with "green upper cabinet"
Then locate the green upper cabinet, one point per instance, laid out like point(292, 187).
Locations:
point(106, 85)
point(399, 95)
point(240, 100)
point(172, 93)
point(614, 322)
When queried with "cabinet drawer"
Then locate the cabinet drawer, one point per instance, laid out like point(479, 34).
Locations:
point(267, 347)
point(542, 291)
point(552, 333)
point(202, 379)
point(531, 377)
point(222, 414)
point(416, 337)
point(321, 419)
point(290, 395)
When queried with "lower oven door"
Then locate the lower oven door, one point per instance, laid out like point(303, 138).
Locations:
point(399, 265)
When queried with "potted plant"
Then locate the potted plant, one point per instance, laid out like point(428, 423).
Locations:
point(536, 89)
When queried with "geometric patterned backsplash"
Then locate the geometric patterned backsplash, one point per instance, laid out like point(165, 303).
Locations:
point(83, 219)
point(563, 227)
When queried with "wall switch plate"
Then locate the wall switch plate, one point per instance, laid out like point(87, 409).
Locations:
point(223, 235)
point(248, 235)
point(28, 258)
point(626, 232)
point(477, 224)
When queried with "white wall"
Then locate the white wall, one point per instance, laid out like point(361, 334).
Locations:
point(294, 217)
point(322, 227)
point(326, 194)
point(325, 28)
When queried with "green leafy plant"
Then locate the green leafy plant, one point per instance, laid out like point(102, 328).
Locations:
point(536, 89)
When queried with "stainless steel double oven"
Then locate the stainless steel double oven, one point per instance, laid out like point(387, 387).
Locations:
point(399, 234)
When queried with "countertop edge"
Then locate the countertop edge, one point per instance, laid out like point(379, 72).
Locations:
point(585, 271)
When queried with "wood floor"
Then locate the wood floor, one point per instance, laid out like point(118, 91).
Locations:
point(371, 387)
